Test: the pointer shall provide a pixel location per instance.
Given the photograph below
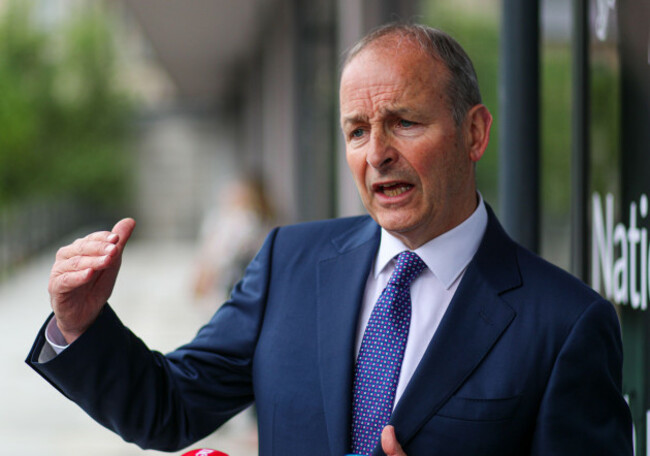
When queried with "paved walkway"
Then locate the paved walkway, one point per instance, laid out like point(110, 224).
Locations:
point(153, 298)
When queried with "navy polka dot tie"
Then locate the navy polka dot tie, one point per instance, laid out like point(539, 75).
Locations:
point(380, 357)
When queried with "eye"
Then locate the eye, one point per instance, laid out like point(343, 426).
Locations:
point(405, 123)
point(356, 133)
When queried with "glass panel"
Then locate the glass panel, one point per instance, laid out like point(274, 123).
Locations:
point(620, 113)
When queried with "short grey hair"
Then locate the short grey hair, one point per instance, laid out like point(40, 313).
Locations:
point(462, 89)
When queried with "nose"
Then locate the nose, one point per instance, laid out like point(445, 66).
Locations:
point(381, 152)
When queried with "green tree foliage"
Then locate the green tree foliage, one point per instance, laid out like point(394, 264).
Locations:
point(63, 118)
point(605, 119)
point(555, 130)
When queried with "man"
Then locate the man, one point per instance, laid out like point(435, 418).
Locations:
point(474, 347)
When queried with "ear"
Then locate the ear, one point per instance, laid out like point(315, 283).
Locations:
point(477, 127)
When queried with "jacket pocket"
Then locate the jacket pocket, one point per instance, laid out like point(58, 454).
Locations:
point(478, 409)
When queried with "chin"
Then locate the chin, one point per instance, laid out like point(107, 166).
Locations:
point(395, 223)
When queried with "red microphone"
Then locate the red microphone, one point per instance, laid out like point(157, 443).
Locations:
point(204, 452)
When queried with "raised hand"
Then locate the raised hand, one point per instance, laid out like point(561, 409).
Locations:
point(389, 442)
point(83, 277)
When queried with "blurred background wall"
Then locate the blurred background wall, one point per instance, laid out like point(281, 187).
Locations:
point(152, 108)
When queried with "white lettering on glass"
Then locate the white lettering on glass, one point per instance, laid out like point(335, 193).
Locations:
point(619, 254)
point(603, 8)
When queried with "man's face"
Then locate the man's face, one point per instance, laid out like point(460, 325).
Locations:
point(408, 159)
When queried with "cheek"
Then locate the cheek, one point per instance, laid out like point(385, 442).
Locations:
point(357, 164)
point(426, 165)
point(438, 159)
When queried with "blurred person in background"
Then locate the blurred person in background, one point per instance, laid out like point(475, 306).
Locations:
point(420, 329)
point(231, 233)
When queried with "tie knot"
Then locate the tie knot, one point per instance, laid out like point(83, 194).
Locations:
point(409, 265)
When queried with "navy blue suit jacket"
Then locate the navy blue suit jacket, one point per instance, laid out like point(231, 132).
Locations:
point(527, 359)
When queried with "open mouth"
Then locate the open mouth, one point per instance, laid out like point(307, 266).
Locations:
point(393, 189)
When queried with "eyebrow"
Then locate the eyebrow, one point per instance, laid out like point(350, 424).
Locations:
point(353, 119)
point(385, 112)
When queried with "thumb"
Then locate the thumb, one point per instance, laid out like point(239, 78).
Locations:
point(124, 228)
point(389, 442)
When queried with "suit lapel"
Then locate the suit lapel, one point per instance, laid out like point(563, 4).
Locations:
point(474, 321)
point(341, 284)
point(466, 334)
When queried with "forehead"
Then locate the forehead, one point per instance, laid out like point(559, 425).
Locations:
point(391, 71)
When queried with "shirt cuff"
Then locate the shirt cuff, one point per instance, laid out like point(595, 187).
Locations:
point(54, 337)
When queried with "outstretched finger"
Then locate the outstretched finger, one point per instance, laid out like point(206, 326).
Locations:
point(66, 282)
point(85, 247)
point(104, 236)
point(82, 262)
point(123, 229)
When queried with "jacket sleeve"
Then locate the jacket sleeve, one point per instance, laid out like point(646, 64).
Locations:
point(168, 401)
point(583, 410)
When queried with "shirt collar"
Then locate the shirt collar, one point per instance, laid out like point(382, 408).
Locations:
point(447, 255)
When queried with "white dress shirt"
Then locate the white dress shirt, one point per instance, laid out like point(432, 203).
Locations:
point(446, 257)
point(54, 337)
